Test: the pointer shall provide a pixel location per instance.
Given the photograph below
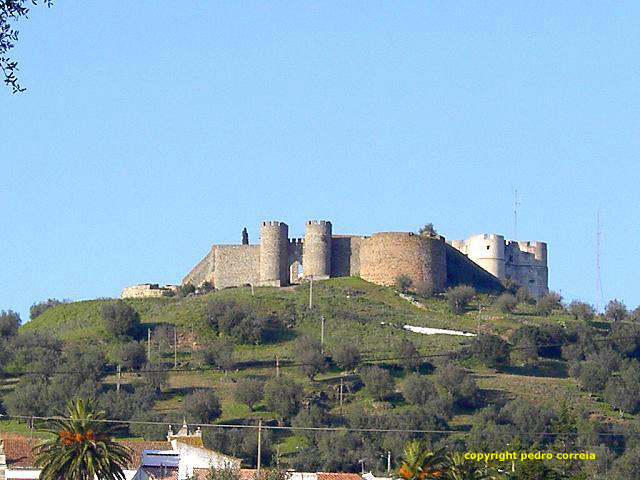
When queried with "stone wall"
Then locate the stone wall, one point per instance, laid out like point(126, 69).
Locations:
point(345, 255)
point(385, 256)
point(202, 272)
point(236, 265)
point(526, 264)
point(147, 290)
point(462, 271)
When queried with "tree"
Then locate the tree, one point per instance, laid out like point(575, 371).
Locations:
point(523, 295)
point(616, 311)
point(156, 376)
point(581, 310)
point(11, 11)
point(548, 303)
point(428, 230)
point(593, 376)
point(308, 353)
point(39, 308)
point(458, 383)
point(418, 390)
point(346, 355)
point(403, 283)
point(132, 355)
point(186, 289)
point(506, 302)
point(201, 406)
point(249, 391)
point(219, 353)
point(121, 319)
point(378, 382)
point(461, 468)
point(282, 396)
point(459, 297)
point(408, 355)
point(420, 463)
point(82, 447)
point(228, 472)
point(153, 426)
point(490, 350)
point(9, 323)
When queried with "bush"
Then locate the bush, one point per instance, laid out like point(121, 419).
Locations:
point(218, 353)
point(428, 230)
point(506, 302)
point(249, 391)
point(308, 353)
point(403, 283)
point(120, 319)
point(378, 382)
point(634, 316)
point(593, 376)
point(458, 383)
point(185, 289)
point(132, 355)
point(39, 308)
point(546, 305)
point(201, 406)
point(490, 350)
point(459, 297)
point(9, 324)
point(156, 376)
point(346, 355)
point(616, 311)
point(523, 295)
point(425, 289)
point(282, 396)
point(581, 310)
point(234, 320)
point(418, 390)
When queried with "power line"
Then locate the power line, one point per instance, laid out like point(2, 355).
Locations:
point(321, 429)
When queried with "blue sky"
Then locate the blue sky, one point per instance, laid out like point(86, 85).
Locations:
point(151, 130)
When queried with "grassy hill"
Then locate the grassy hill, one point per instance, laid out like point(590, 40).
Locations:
point(356, 311)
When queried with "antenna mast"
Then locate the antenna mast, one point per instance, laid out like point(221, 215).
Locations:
point(598, 278)
point(516, 202)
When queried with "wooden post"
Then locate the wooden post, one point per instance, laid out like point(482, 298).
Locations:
point(259, 445)
point(148, 344)
point(119, 378)
point(341, 385)
point(175, 347)
point(311, 293)
point(277, 365)
point(322, 334)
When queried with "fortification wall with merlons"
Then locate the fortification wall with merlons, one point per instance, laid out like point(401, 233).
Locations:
point(484, 261)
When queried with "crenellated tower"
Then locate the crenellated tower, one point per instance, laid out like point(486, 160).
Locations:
point(274, 254)
point(317, 249)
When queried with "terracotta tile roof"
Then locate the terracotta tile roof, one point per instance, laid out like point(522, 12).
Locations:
point(19, 450)
point(193, 441)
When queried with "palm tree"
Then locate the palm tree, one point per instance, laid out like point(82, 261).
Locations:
point(420, 463)
point(461, 468)
point(82, 447)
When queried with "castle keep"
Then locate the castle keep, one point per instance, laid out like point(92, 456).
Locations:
point(483, 261)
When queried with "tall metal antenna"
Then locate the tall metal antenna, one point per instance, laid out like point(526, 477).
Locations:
point(599, 297)
point(516, 202)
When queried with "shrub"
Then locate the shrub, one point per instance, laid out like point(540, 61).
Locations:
point(403, 283)
point(428, 230)
point(634, 315)
point(39, 308)
point(593, 376)
point(549, 302)
point(156, 376)
point(425, 289)
point(249, 391)
point(121, 319)
point(201, 406)
point(418, 390)
point(616, 311)
point(581, 310)
point(185, 289)
point(490, 350)
point(218, 353)
point(459, 297)
point(378, 382)
point(523, 295)
point(346, 355)
point(506, 302)
point(458, 383)
point(9, 324)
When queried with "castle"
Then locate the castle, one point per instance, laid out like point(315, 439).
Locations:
point(483, 261)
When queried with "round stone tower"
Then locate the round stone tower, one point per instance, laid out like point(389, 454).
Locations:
point(316, 259)
point(274, 242)
point(487, 250)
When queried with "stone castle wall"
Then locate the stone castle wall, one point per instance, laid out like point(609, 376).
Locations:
point(385, 256)
point(147, 290)
point(236, 265)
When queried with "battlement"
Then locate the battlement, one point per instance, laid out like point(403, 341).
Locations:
point(274, 224)
point(295, 241)
point(318, 222)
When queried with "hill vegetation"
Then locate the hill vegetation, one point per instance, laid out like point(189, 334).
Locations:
point(345, 362)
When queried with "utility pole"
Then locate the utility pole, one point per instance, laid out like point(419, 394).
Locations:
point(341, 387)
point(148, 344)
point(322, 334)
point(311, 293)
point(277, 365)
point(119, 379)
point(259, 445)
point(388, 461)
point(175, 347)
